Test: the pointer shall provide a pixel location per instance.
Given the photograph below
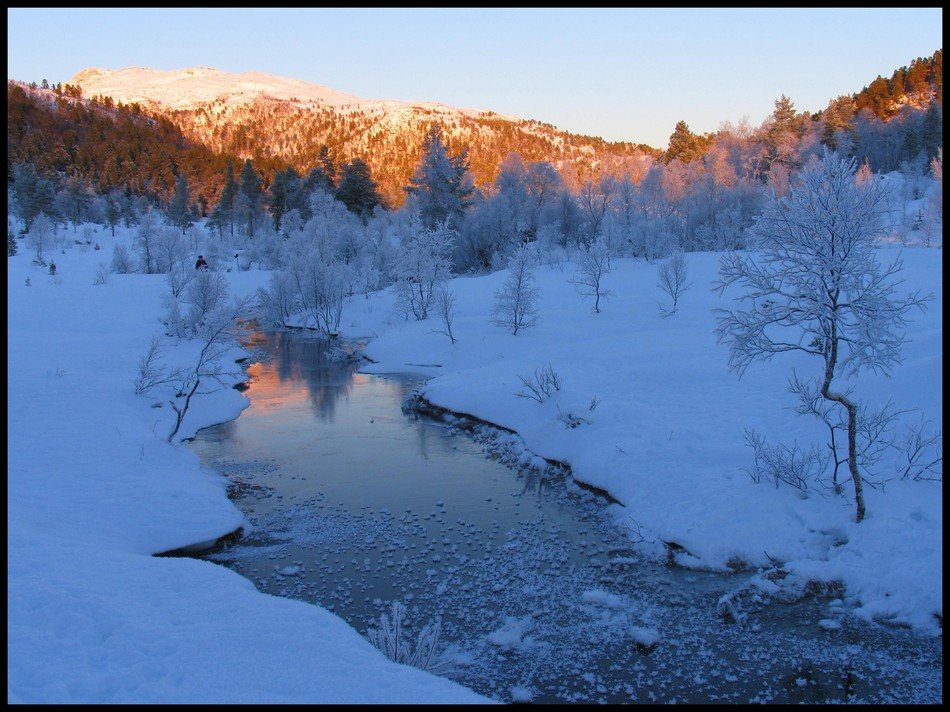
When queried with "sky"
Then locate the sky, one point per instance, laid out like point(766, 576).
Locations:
point(621, 74)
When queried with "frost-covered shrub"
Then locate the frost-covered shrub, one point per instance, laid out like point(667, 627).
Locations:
point(323, 289)
point(541, 385)
point(801, 468)
point(421, 266)
point(102, 274)
point(279, 300)
point(445, 309)
point(40, 236)
point(395, 643)
point(203, 295)
point(122, 262)
point(169, 249)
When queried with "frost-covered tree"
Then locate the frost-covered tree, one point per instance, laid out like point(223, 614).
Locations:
point(936, 169)
point(441, 183)
point(170, 250)
point(421, 266)
point(279, 300)
point(205, 294)
point(516, 300)
point(217, 333)
point(671, 276)
point(593, 262)
point(324, 286)
point(40, 236)
point(146, 236)
point(445, 302)
point(814, 285)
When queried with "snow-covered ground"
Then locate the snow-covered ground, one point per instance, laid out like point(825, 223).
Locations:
point(94, 491)
point(663, 421)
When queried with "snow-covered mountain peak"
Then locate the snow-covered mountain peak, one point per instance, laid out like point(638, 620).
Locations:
point(194, 86)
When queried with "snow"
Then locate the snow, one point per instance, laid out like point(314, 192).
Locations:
point(602, 598)
point(192, 87)
point(512, 635)
point(647, 637)
point(94, 491)
point(665, 436)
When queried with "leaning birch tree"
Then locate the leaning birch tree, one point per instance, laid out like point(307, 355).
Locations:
point(813, 284)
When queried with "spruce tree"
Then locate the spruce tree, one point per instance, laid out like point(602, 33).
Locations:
point(357, 189)
point(441, 183)
point(179, 213)
point(250, 197)
point(684, 146)
point(223, 213)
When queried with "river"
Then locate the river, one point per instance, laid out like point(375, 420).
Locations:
point(355, 503)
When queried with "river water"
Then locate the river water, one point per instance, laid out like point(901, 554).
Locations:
point(355, 503)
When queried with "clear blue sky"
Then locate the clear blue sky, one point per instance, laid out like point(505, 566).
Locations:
point(623, 74)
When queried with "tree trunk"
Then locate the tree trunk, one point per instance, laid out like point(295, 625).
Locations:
point(852, 424)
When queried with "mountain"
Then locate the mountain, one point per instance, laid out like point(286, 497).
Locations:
point(255, 115)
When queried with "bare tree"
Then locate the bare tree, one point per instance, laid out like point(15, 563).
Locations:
point(151, 372)
point(516, 301)
point(593, 262)
point(816, 287)
point(672, 280)
point(40, 236)
point(218, 333)
point(146, 236)
point(540, 386)
point(445, 308)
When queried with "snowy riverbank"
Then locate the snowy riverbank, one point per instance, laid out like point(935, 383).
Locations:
point(94, 491)
point(665, 435)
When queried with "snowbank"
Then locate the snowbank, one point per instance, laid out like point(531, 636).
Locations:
point(649, 411)
point(94, 491)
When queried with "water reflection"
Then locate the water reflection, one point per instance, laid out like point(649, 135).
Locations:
point(302, 364)
point(354, 505)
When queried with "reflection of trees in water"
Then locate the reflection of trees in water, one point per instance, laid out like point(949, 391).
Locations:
point(423, 432)
point(538, 484)
point(304, 358)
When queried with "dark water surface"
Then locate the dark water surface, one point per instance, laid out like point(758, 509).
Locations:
point(356, 504)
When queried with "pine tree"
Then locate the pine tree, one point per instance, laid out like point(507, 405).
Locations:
point(179, 213)
point(684, 144)
point(357, 190)
point(113, 211)
point(284, 195)
point(250, 197)
point(32, 194)
point(441, 183)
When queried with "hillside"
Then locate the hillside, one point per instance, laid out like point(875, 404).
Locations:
point(256, 115)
